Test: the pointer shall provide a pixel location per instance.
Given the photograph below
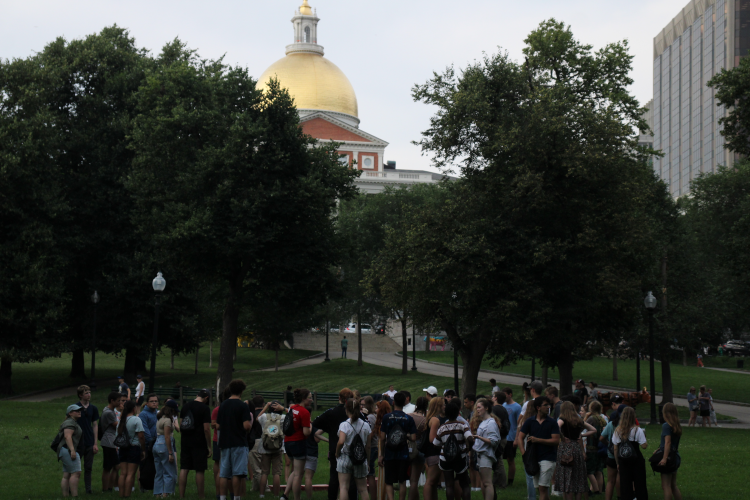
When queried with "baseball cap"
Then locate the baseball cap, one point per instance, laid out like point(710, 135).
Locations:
point(74, 407)
point(580, 381)
point(120, 377)
point(139, 377)
point(172, 404)
point(431, 390)
point(616, 398)
point(204, 393)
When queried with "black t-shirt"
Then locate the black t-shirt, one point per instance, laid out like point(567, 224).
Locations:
point(232, 415)
point(330, 420)
point(500, 412)
point(201, 415)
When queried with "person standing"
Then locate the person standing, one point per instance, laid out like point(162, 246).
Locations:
point(140, 390)
point(613, 478)
point(581, 391)
point(671, 432)
point(134, 454)
point(108, 422)
point(692, 406)
point(164, 460)
point(89, 423)
point(544, 434)
point(148, 419)
point(296, 444)
point(311, 462)
point(495, 388)
point(486, 441)
point(67, 450)
point(394, 458)
point(195, 429)
point(570, 470)
point(348, 429)
point(700, 361)
point(704, 404)
point(233, 422)
point(514, 415)
point(713, 411)
point(124, 388)
point(632, 469)
point(455, 468)
point(271, 447)
point(409, 407)
point(344, 345)
point(417, 462)
point(253, 441)
point(499, 475)
point(594, 465)
point(433, 420)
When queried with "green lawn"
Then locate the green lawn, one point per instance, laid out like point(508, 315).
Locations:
point(710, 456)
point(54, 372)
point(726, 385)
point(729, 362)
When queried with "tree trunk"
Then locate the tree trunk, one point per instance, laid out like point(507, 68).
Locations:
point(405, 350)
point(171, 360)
point(545, 376)
point(472, 355)
point(5, 375)
point(565, 371)
point(229, 335)
point(684, 357)
point(614, 365)
point(77, 368)
point(210, 353)
point(196, 360)
point(277, 356)
point(140, 364)
point(359, 342)
point(131, 364)
point(666, 377)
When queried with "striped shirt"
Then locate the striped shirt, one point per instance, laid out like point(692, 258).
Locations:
point(461, 432)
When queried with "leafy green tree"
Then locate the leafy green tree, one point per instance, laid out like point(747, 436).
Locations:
point(225, 181)
point(733, 92)
point(567, 191)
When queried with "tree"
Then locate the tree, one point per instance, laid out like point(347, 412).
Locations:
point(552, 145)
point(733, 91)
point(225, 180)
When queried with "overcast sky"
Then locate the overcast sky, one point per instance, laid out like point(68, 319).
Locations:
point(383, 47)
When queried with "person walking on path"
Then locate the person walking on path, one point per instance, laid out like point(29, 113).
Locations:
point(486, 441)
point(692, 406)
point(140, 390)
point(700, 361)
point(671, 432)
point(630, 464)
point(134, 454)
point(67, 450)
point(570, 470)
point(544, 433)
point(453, 439)
point(108, 423)
point(394, 456)
point(344, 345)
point(165, 478)
point(345, 468)
point(196, 444)
point(233, 422)
point(89, 423)
point(704, 404)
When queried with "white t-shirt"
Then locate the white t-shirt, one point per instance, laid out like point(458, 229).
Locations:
point(636, 434)
point(391, 393)
point(140, 389)
point(359, 427)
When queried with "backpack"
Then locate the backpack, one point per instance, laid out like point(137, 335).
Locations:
point(395, 440)
point(592, 442)
point(256, 430)
point(56, 442)
point(626, 450)
point(357, 451)
point(288, 425)
point(272, 437)
point(504, 428)
point(423, 440)
point(451, 450)
point(188, 421)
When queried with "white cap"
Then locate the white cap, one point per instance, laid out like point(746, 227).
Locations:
point(431, 390)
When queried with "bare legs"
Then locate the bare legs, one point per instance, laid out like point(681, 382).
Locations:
point(127, 478)
point(669, 487)
point(488, 489)
point(69, 483)
point(416, 471)
point(431, 482)
point(613, 483)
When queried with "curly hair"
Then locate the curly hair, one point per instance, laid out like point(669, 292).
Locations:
point(383, 409)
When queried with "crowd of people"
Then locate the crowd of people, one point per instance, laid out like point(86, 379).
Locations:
point(701, 406)
point(458, 444)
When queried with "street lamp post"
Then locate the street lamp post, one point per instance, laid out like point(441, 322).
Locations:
point(159, 283)
point(413, 347)
point(638, 371)
point(95, 300)
point(327, 329)
point(650, 303)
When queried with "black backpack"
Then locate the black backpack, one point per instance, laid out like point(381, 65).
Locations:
point(423, 440)
point(188, 421)
point(56, 442)
point(396, 438)
point(357, 451)
point(256, 430)
point(451, 450)
point(288, 426)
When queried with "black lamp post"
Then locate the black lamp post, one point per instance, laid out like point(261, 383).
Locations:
point(327, 329)
point(159, 283)
point(95, 300)
point(413, 347)
point(650, 303)
point(638, 371)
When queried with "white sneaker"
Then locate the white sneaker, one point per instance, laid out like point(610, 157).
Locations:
point(116, 488)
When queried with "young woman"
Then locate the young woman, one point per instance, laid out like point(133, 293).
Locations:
point(692, 406)
point(594, 465)
point(417, 465)
point(594, 392)
point(633, 470)
point(486, 436)
point(433, 420)
point(384, 408)
point(704, 404)
point(296, 444)
point(526, 392)
point(130, 456)
point(458, 468)
point(163, 451)
point(671, 432)
point(369, 408)
point(570, 478)
point(348, 429)
point(66, 451)
point(530, 413)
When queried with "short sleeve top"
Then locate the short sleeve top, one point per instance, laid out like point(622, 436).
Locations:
point(666, 430)
point(636, 434)
point(692, 401)
point(134, 425)
point(161, 424)
point(350, 430)
point(301, 417)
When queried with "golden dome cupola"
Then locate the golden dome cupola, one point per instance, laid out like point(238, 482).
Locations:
point(315, 83)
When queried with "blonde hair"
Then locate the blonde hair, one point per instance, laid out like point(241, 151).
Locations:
point(595, 408)
point(627, 422)
point(569, 415)
point(434, 409)
point(671, 417)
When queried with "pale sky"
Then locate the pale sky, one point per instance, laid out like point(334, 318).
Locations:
point(383, 47)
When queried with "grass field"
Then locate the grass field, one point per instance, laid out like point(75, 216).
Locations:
point(711, 457)
point(54, 372)
point(726, 385)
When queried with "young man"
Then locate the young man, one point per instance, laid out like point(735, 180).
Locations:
point(544, 433)
point(108, 421)
point(409, 407)
point(469, 401)
point(495, 388)
point(581, 391)
point(430, 392)
point(551, 393)
point(270, 459)
point(147, 470)
point(124, 389)
point(329, 421)
point(254, 442)
point(140, 390)
point(396, 461)
point(195, 429)
point(448, 395)
point(89, 423)
point(233, 422)
point(390, 392)
point(499, 477)
point(344, 345)
point(514, 415)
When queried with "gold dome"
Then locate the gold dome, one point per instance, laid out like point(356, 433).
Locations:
point(305, 9)
point(314, 82)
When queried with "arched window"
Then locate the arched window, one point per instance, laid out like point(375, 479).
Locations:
point(307, 34)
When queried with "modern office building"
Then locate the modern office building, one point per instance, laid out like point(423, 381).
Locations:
point(704, 38)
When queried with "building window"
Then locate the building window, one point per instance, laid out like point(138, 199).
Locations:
point(368, 162)
point(307, 34)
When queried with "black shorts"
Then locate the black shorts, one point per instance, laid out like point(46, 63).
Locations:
point(396, 471)
point(216, 452)
point(111, 458)
point(705, 413)
point(509, 452)
point(130, 455)
point(139, 401)
point(611, 463)
point(296, 450)
point(193, 456)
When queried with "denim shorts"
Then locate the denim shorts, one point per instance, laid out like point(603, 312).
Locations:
point(311, 463)
point(296, 450)
point(69, 465)
point(233, 462)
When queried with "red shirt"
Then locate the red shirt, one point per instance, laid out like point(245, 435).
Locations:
point(214, 417)
point(301, 419)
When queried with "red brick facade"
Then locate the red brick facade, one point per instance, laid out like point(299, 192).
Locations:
point(323, 129)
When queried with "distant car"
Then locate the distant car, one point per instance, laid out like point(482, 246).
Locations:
point(333, 329)
point(352, 328)
point(736, 348)
point(380, 329)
